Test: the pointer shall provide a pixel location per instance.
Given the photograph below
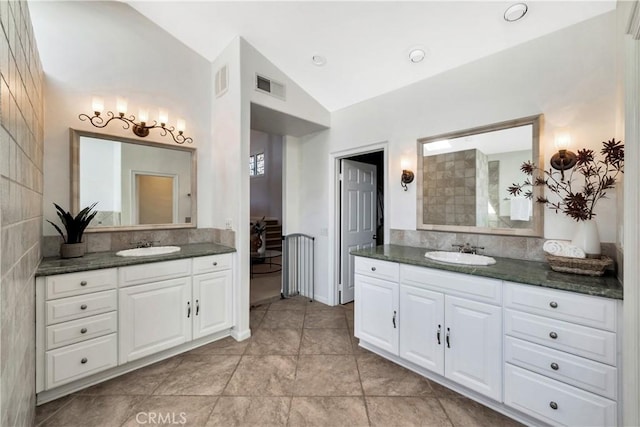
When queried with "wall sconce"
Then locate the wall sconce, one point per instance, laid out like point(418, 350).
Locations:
point(407, 175)
point(140, 128)
point(563, 159)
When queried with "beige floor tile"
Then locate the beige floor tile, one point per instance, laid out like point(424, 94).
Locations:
point(381, 377)
point(314, 306)
point(43, 412)
point(326, 341)
point(250, 411)
point(406, 411)
point(327, 376)
point(94, 411)
point(465, 412)
point(225, 346)
point(275, 341)
point(171, 411)
point(263, 376)
point(328, 411)
point(295, 303)
point(199, 375)
point(325, 319)
point(255, 318)
point(283, 319)
point(139, 382)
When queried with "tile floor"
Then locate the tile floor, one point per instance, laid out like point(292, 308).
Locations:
point(301, 367)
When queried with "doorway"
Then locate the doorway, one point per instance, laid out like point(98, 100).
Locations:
point(154, 198)
point(360, 213)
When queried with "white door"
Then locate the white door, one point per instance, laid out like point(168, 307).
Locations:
point(357, 218)
point(376, 312)
point(422, 328)
point(473, 340)
point(154, 317)
point(211, 303)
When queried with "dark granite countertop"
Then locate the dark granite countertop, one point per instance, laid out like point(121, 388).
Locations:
point(100, 260)
point(512, 270)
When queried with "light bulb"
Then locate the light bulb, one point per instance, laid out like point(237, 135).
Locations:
point(180, 125)
point(563, 140)
point(97, 104)
point(143, 115)
point(163, 116)
point(121, 105)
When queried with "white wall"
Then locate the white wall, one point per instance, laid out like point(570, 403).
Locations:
point(108, 49)
point(568, 76)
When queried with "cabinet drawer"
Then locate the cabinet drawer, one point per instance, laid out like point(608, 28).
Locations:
point(586, 342)
point(537, 396)
point(577, 371)
point(209, 264)
point(154, 272)
point(582, 309)
point(62, 310)
point(76, 361)
point(67, 285)
point(457, 284)
point(81, 330)
point(384, 270)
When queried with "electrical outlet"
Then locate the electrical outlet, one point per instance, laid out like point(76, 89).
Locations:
point(228, 224)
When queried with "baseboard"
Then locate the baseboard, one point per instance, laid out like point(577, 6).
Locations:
point(241, 335)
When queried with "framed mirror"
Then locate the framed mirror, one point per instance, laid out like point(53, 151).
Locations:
point(137, 184)
point(463, 178)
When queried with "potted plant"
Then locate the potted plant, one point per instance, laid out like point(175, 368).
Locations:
point(257, 231)
point(73, 246)
point(596, 177)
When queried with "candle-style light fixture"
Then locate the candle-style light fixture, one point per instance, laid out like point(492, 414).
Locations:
point(407, 174)
point(563, 159)
point(142, 126)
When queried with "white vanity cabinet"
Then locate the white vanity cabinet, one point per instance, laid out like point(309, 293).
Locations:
point(212, 295)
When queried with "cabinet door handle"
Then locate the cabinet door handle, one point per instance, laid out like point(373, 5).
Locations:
point(188, 309)
point(553, 405)
point(83, 307)
point(83, 283)
point(84, 360)
point(555, 366)
point(447, 338)
point(197, 307)
point(553, 304)
point(83, 330)
point(438, 334)
point(553, 335)
point(394, 317)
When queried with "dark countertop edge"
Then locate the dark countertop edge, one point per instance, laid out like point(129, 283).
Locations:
point(561, 281)
point(101, 260)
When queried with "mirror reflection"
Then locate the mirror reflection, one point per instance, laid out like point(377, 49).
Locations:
point(136, 185)
point(464, 176)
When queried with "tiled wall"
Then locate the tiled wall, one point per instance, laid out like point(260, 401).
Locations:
point(21, 182)
point(115, 241)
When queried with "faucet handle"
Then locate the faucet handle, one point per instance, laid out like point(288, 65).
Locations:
point(475, 248)
point(459, 246)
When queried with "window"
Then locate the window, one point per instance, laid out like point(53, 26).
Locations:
point(256, 164)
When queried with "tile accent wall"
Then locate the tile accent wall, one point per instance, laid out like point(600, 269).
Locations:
point(21, 183)
point(115, 241)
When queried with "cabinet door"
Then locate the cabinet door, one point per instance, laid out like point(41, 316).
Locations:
point(422, 328)
point(376, 312)
point(473, 345)
point(154, 317)
point(212, 303)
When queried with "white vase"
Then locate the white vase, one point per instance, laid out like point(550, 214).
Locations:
point(587, 238)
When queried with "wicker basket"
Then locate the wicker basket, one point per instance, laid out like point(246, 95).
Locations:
point(584, 266)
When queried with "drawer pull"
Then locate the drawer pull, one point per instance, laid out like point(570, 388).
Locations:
point(83, 283)
point(84, 360)
point(188, 309)
point(555, 366)
point(215, 263)
point(553, 335)
point(83, 307)
point(83, 330)
point(438, 334)
point(197, 307)
point(394, 316)
point(553, 405)
point(553, 304)
point(373, 269)
point(447, 338)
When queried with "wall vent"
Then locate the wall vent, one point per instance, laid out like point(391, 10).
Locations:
point(271, 87)
point(222, 81)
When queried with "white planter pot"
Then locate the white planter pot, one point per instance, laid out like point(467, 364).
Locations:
point(587, 238)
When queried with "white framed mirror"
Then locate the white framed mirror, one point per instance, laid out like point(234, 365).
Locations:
point(463, 178)
point(137, 184)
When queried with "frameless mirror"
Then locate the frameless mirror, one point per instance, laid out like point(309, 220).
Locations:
point(138, 185)
point(463, 179)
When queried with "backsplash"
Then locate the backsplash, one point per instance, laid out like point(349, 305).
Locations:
point(118, 240)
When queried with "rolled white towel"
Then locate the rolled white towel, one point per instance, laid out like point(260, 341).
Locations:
point(520, 209)
point(563, 248)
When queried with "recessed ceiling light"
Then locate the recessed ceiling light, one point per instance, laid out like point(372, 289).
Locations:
point(515, 12)
point(318, 60)
point(416, 55)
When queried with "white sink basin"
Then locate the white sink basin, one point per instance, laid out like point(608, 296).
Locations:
point(154, 250)
point(460, 258)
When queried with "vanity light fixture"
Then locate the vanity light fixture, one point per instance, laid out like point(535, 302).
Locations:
point(563, 159)
point(515, 12)
point(141, 127)
point(407, 175)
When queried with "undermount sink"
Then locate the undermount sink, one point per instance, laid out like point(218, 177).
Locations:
point(153, 250)
point(459, 258)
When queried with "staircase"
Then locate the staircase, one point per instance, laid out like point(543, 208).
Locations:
point(273, 235)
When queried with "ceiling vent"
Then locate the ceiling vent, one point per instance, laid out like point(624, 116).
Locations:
point(271, 87)
point(222, 81)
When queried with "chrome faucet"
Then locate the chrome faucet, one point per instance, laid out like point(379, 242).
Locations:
point(144, 244)
point(467, 248)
